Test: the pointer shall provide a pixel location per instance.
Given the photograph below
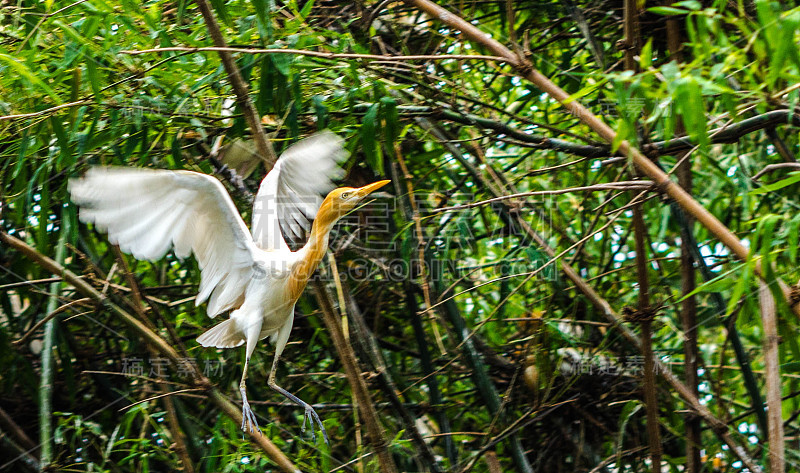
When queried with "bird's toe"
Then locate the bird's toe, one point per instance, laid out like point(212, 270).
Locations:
point(312, 418)
point(249, 421)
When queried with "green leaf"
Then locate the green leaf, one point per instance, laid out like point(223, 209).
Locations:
point(391, 121)
point(718, 284)
point(282, 62)
point(26, 73)
point(741, 284)
point(307, 8)
point(321, 112)
point(63, 141)
point(622, 132)
point(791, 367)
point(628, 411)
point(222, 11)
point(94, 80)
point(690, 104)
point(668, 11)
point(646, 56)
point(777, 185)
point(792, 230)
point(263, 10)
point(689, 4)
point(368, 132)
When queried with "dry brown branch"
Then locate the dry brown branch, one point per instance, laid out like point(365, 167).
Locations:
point(178, 437)
point(777, 461)
point(774, 167)
point(9, 425)
point(649, 375)
point(240, 88)
point(366, 406)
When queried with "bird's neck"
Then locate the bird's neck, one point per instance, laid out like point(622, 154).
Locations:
point(312, 253)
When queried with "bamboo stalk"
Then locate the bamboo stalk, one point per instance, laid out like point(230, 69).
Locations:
point(412, 202)
point(632, 49)
point(691, 352)
point(46, 381)
point(377, 436)
point(177, 433)
point(240, 88)
point(369, 346)
point(650, 398)
point(473, 358)
point(773, 374)
point(412, 307)
point(482, 381)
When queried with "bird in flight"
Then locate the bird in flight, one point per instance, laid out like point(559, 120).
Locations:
point(255, 275)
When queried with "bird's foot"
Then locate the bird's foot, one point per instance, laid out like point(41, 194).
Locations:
point(248, 416)
point(310, 416)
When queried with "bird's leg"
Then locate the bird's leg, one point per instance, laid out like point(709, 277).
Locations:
point(310, 415)
point(248, 416)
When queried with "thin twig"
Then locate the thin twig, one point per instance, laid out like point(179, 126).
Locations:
point(160, 396)
point(774, 167)
point(325, 55)
point(49, 316)
point(46, 111)
point(622, 185)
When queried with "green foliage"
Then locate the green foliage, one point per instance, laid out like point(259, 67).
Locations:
point(447, 132)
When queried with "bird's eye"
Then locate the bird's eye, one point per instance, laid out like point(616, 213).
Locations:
point(345, 195)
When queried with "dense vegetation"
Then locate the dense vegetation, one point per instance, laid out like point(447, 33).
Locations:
point(518, 334)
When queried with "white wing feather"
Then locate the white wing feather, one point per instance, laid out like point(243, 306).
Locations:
point(290, 195)
point(146, 212)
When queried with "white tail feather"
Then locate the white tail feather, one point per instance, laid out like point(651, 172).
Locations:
point(224, 335)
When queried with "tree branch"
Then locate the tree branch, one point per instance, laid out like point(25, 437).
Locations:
point(323, 54)
point(239, 86)
point(775, 437)
point(347, 356)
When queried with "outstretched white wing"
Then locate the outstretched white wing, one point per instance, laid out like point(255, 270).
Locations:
point(290, 195)
point(146, 212)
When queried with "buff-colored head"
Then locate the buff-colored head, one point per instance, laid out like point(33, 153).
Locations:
point(344, 199)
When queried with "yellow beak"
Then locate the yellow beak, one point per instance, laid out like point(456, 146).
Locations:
point(369, 188)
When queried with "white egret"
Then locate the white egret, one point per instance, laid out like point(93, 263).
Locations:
point(256, 276)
